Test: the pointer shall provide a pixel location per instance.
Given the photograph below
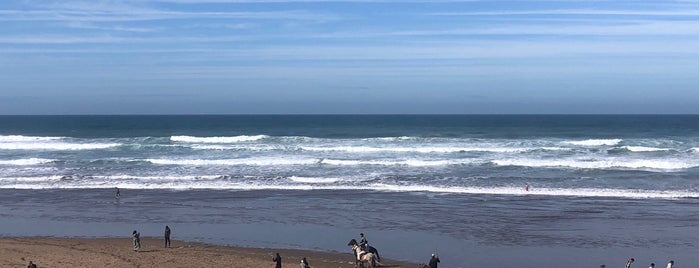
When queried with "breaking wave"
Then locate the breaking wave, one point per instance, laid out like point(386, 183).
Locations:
point(233, 139)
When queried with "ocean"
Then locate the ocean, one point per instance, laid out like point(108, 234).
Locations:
point(602, 188)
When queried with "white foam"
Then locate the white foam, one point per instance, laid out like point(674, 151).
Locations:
point(600, 164)
point(595, 142)
point(404, 162)
point(56, 182)
point(234, 162)
point(30, 179)
point(644, 149)
point(367, 149)
point(251, 147)
point(233, 139)
point(20, 138)
point(55, 146)
point(314, 180)
point(576, 192)
point(26, 162)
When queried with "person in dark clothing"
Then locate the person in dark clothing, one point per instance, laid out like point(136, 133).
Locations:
point(136, 240)
point(278, 260)
point(31, 265)
point(362, 241)
point(117, 195)
point(629, 262)
point(433, 261)
point(167, 236)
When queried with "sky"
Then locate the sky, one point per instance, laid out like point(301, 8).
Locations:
point(349, 57)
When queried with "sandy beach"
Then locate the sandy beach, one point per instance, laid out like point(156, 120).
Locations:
point(118, 252)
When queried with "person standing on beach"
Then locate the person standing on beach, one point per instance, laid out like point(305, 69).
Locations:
point(652, 265)
point(167, 236)
point(117, 195)
point(671, 264)
point(433, 261)
point(629, 262)
point(278, 260)
point(304, 263)
point(136, 240)
point(31, 265)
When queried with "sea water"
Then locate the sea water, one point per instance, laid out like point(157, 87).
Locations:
point(601, 188)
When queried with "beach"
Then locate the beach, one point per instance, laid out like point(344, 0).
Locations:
point(118, 252)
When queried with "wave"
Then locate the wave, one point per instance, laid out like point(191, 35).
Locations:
point(328, 184)
point(56, 146)
point(600, 164)
point(314, 180)
point(26, 162)
point(644, 149)
point(29, 179)
point(595, 142)
point(20, 138)
point(367, 149)
point(563, 192)
point(233, 139)
point(256, 147)
point(234, 162)
point(404, 162)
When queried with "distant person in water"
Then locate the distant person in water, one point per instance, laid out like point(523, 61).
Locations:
point(629, 262)
point(526, 187)
point(167, 236)
point(671, 264)
point(117, 195)
point(278, 260)
point(433, 261)
point(304, 263)
point(31, 265)
point(136, 240)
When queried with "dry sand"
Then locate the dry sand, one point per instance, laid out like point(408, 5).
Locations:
point(118, 252)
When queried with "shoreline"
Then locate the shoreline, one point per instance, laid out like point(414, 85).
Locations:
point(118, 252)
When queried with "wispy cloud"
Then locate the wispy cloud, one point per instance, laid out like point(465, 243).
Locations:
point(150, 15)
point(591, 12)
point(117, 28)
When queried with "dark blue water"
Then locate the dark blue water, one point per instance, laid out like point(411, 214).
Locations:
point(602, 188)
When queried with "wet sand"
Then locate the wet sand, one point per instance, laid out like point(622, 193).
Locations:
point(118, 252)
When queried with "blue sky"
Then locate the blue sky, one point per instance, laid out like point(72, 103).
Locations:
point(348, 56)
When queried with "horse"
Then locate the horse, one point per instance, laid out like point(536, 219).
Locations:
point(367, 248)
point(363, 256)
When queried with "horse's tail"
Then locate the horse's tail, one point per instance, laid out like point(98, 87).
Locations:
point(375, 251)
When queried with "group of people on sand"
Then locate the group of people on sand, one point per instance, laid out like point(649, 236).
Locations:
point(278, 262)
point(670, 264)
point(136, 236)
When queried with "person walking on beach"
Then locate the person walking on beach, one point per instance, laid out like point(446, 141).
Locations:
point(433, 261)
point(136, 240)
point(304, 263)
point(652, 265)
point(671, 264)
point(117, 195)
point(31, 265)
point(278, 260)
point(629, 262)
point(167, 236)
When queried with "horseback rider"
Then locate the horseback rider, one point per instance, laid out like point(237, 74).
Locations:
point(362, 241)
